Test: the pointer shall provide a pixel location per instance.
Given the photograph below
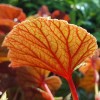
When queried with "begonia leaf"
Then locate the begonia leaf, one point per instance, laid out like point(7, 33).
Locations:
point(31, 79)
point(53, 83)
point(51, 44)
point(88, 81)
point(10, 16)
point(33, 76)
point(60, 15)
point(91, 72)
point(11, 12)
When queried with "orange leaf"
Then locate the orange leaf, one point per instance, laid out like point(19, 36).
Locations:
point(60, 15)
point(89, 70)
point(51, 44)
point(88, 81)
point(91, 62)
point(9, 16)
point(33, 76)
point(11, 12)
point(53, 83)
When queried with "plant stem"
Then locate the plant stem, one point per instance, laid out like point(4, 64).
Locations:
point(48, 91)
point(72, 88)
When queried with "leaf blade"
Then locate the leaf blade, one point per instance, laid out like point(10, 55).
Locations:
point(54, 45)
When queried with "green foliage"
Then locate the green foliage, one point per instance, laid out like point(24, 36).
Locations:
point(64, 89)
point(86, 14)
point(83, 95)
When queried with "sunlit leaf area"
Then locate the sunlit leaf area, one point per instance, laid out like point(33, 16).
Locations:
point(49, 50)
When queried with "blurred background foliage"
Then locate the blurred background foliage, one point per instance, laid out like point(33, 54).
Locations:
point(85, 13)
